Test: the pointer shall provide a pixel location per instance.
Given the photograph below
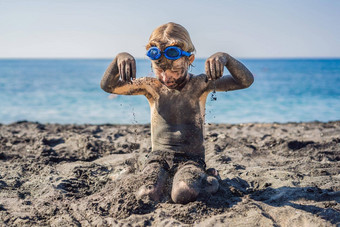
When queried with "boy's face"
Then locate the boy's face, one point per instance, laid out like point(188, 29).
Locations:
point(172, 74)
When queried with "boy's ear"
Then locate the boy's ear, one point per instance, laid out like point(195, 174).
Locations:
point(191, 58)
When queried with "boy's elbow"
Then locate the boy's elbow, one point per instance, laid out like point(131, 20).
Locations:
point(248, 81)
point(105, 87)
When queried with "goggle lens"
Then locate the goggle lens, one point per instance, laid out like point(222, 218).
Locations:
point(172, 52)
point(154, 53)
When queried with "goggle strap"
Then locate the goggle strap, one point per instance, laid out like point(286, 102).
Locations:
point(185, 53)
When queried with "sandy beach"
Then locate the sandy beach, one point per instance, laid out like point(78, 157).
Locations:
point(85, 175)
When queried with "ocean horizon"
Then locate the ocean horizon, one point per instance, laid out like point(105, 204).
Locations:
point(68, 91)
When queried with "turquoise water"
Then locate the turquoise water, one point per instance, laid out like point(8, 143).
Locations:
point(68, 91)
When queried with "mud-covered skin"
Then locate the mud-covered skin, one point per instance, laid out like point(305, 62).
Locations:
point(177, 102)
point(177, 116)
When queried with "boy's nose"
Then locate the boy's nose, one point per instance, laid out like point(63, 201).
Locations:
point(165, 77)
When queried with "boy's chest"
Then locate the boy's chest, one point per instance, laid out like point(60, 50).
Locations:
point(174, 105)
point(177, 99)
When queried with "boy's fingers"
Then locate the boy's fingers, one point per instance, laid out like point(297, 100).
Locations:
point(127, 71)
point(207, 70)
point(222, 69)
point(133, 67)
point(218, 70)
point(120, 70)
point(123, 71)
point(213, 71)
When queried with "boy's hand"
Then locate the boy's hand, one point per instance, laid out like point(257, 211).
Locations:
point(214, 65)
point(126, 66)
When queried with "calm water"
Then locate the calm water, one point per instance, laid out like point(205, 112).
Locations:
point(68, 91)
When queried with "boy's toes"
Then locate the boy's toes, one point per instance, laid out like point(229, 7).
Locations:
point(212, 185)
point(213, 172)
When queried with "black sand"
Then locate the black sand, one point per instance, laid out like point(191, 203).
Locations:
point(84, 175)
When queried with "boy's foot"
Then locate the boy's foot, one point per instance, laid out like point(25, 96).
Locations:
point(190, 181)
point(154, 178)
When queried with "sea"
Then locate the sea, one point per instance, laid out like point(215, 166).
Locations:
point(68, 91)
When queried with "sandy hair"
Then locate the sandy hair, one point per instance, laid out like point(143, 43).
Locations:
point(171, 34)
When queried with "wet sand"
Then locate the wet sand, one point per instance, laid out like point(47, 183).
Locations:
point(84, 175)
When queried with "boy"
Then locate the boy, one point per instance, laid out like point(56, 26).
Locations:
point(177, 102)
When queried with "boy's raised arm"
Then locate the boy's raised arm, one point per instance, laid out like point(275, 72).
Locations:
point(120, 77)
point(240, 77)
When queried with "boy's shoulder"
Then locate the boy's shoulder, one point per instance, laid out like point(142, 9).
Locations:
point(198, 82)
point(199, 79)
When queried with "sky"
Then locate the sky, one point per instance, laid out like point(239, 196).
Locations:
point(103, 28)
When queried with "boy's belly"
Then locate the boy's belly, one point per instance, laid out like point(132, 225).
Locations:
point(185, 138)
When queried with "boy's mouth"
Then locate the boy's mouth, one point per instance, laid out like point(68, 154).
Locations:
point(170, 84)
point(173, 84)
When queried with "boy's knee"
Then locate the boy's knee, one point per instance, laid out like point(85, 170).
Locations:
point(183, 193)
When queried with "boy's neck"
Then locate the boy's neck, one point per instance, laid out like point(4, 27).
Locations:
point(183, 82)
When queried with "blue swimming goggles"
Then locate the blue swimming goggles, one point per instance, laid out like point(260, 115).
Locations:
point(171, 53)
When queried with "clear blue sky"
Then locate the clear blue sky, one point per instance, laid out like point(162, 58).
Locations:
point(102, 28)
